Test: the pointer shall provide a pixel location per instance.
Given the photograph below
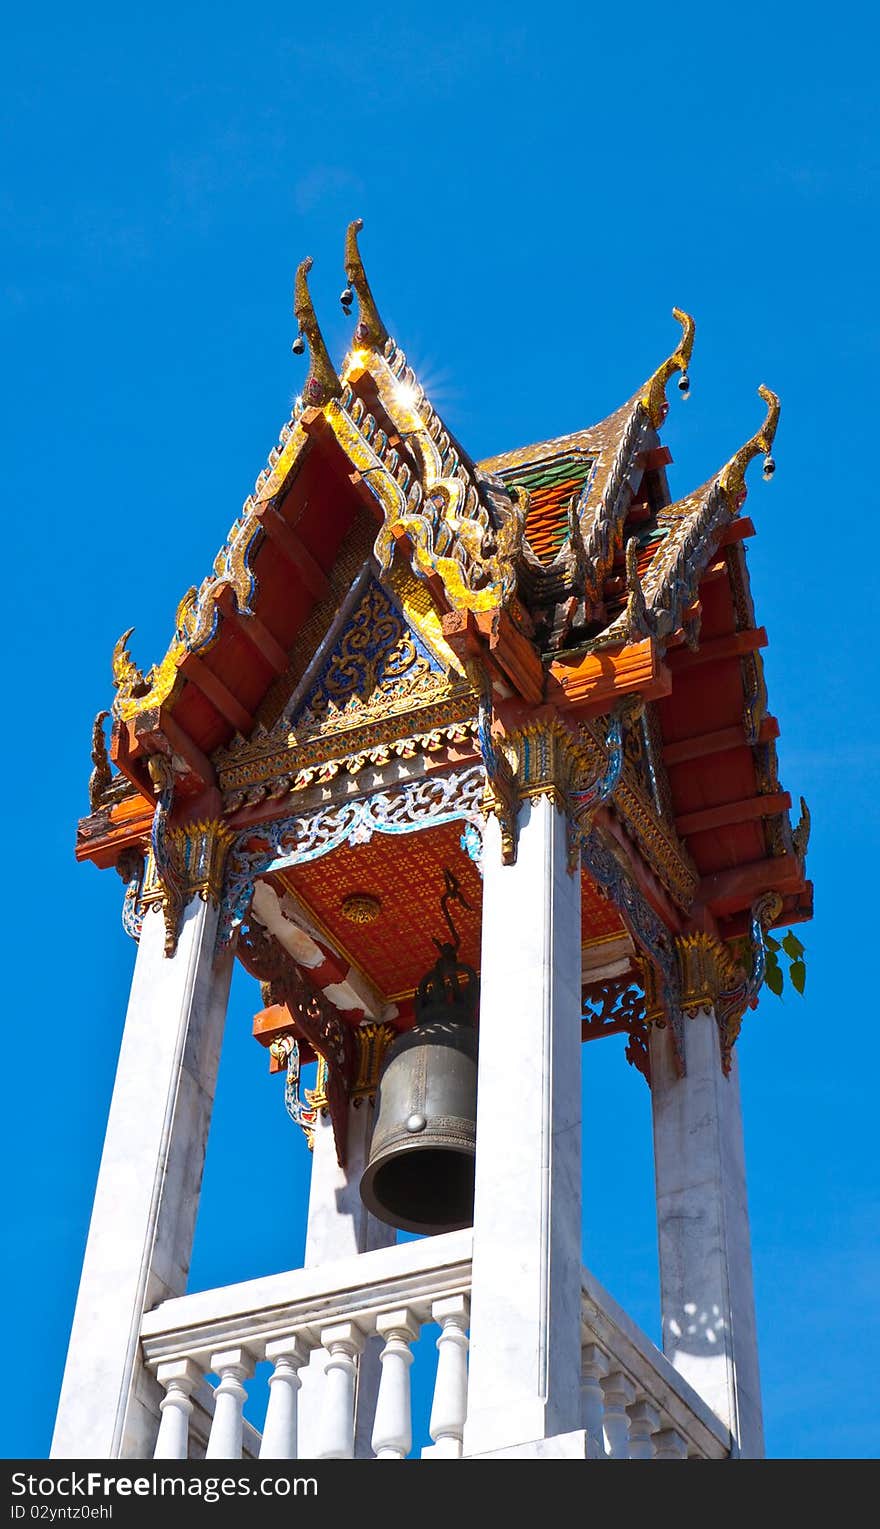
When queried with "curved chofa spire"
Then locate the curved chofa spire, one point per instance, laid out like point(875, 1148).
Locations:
point(459, 527)
point(427, 490)
point(102, 775)
point(653, 399)
point(322, 382)
point(370, 332)
point(603, 515)
point(128, 679)
point(658, 603)
point(732, 477)
point(582, 486)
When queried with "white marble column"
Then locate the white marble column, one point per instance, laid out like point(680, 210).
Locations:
point(339, 1223)
point(594, 1368)
point(338, 1226)
point(179, 1377)
point(644, 1423)
point(619, 1393)
point(449, 1406)
point(706, 1289)
point(342, 1344)
point(525, 1355)
point(392, 1427)
point(280, 1433)
point(233, 1366)
point(143, 1218)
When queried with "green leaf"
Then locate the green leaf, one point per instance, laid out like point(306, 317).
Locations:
point(798, 974)
point(773, 975)
point(792, 946)
point(770, 943)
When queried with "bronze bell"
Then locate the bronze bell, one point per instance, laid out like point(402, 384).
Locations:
point(420, 1175)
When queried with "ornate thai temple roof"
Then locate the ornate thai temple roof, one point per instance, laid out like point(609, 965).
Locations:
point(382, 597)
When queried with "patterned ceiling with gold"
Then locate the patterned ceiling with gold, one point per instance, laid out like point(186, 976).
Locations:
point(404, 875)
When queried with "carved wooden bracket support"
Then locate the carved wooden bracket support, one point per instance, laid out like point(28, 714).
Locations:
point(294, 1008)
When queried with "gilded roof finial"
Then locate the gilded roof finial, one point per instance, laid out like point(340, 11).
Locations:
point(654, 397)
point(638, 623)
point(369, 331)
point(732, 478)
point(102, 775)
point(801, 834)
point(322, 382)
point(127, 677)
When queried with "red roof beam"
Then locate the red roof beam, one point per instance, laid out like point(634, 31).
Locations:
point(219, 695)
point(738, 531)
point(719, 742)
point(796, 909)
point(722, 816)
point(256, 632)
point(726, 892)
point(295, 551)
point(733, 646)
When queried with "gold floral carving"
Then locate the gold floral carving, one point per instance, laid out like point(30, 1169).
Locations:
point(706, 970)
point(655, 1007)
point(361, 907)
point(316, 1098)
point(275, 766)
point(552, 761)
point(198, 852)
point(441, 512)
point(376, 698)
point(372, 1040)
point(414, 598)
point(543, 759)
point(376, 669)
point(658, 842)
point(501, 800)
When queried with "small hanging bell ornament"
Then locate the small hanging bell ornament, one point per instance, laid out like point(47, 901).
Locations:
point(346, 298)
point(769, 468)
point(298, 345)
point(684, 385)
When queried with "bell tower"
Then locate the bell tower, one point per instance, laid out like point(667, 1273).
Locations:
point(468, 765)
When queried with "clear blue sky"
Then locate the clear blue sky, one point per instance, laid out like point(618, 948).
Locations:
point(540, 185)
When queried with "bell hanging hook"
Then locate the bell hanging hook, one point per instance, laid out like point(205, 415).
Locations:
point(453, 893)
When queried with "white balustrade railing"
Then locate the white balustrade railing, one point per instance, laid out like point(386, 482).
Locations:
point(635, 1406)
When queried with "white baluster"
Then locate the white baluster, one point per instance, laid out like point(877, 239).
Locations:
point(392, 1427)
point(449, 1407)
point(343, 1342)
point(594, 1366)
point(619, 1393)
point(233, 1366)
point(279, 1430)
point(178, 1376)
point(644, 1421)
point(669, 1445)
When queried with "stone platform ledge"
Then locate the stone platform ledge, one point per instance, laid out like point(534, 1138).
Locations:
point(562, 1446)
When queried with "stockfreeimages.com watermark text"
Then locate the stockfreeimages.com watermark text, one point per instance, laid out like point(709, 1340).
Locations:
point(151, 1484)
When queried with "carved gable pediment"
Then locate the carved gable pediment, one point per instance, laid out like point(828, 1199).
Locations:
point(379, 666)
point(379, 683)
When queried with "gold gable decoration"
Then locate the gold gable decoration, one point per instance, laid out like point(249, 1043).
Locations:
point(389, 688)
point(377, 668)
